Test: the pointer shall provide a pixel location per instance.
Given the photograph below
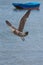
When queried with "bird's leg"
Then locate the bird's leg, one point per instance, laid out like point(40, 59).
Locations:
point(23, 38)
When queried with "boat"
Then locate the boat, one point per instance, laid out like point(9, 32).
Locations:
point(29, 5)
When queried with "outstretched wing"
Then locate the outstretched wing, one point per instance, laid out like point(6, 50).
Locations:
point(23, 20)
point(10, 25)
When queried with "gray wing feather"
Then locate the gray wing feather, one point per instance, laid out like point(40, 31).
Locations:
point(9, 24)
point(23, 20)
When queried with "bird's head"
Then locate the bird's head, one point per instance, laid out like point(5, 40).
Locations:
point(26, 33)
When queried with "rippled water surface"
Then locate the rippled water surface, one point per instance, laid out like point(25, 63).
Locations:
point(14, 51)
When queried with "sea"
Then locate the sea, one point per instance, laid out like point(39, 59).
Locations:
point(14, 51)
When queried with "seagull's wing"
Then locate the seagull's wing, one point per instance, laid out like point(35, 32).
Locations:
point(23, 20)
point(10, 25)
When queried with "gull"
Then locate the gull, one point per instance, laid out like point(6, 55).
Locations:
point(19, 32)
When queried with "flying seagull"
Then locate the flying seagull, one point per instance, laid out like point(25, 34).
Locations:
point(19, 32)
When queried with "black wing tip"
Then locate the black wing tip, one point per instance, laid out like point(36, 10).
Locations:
point(8, 23)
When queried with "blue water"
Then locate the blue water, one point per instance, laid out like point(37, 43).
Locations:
point(14, 51)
